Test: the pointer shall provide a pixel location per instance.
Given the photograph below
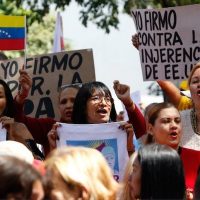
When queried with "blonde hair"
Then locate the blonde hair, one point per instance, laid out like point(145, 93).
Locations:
point(84, 167)
point(196, 66)
point(125, 194)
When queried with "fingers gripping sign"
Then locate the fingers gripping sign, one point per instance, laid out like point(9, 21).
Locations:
point(7, 122)
point(25, 83)
point(130, 133)
point(53, 136)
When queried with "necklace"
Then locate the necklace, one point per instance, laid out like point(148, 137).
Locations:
point(193, 118)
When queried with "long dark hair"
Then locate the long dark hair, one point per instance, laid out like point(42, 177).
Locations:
point(162, 175)
point(79, 115)
point(10, 108)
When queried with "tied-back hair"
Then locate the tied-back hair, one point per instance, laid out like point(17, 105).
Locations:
point(147, 109)
point(10, 108)
point(162, 175)
point(155, 110)
point(151, 114)
point(79, 115)
point(82, 167)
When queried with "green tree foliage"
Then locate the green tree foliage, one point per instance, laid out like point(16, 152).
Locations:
point(104, 13)
point(39, 38)
point(41, 35)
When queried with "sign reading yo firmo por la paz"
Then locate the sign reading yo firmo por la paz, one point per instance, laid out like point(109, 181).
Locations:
point(169, 41)
point(49, 72)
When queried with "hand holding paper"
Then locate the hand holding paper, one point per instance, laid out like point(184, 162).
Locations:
point(53, 136)
point(26, 84)
point(129, 130)
point(105, 137)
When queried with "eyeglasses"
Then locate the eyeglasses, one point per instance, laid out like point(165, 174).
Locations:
point(97, 99)
point(71, 85)
point(74, 85)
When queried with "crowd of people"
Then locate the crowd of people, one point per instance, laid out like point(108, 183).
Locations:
point(166, 165)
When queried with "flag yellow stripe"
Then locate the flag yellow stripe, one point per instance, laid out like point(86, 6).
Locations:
point(12, 21)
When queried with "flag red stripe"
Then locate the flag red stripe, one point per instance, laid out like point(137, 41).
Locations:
point(12, 44)
point(62, 43)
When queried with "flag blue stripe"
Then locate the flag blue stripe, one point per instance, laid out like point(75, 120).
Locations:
point(12, 33)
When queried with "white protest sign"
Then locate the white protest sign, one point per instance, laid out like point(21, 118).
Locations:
point(107, 138)
point(49, 72)
point(170, 41)
point(3, 133)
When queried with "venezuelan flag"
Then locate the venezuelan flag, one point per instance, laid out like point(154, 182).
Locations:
point(12, 32)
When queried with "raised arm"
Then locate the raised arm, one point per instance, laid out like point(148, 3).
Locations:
point(40, 127)
point(135, 41)
point(135, 116)
point(25, 82)
point(172, 92)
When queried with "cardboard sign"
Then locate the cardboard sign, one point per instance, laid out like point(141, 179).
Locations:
point(170, 39)
point(49, 72)
point(107, 138)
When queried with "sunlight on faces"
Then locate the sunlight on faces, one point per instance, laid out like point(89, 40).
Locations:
point(2, 100)
point(66, 102)
point(62, 190)
point(135, 179)
point(99, 107)
point(195, 87)
point(167, 127)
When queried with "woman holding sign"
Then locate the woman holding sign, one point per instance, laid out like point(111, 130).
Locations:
point(40, 127)
point(46, 127)
point(94, 105)
point(172, 92)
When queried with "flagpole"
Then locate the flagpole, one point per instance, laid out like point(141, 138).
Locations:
point(25, 45)
point(58, 43)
